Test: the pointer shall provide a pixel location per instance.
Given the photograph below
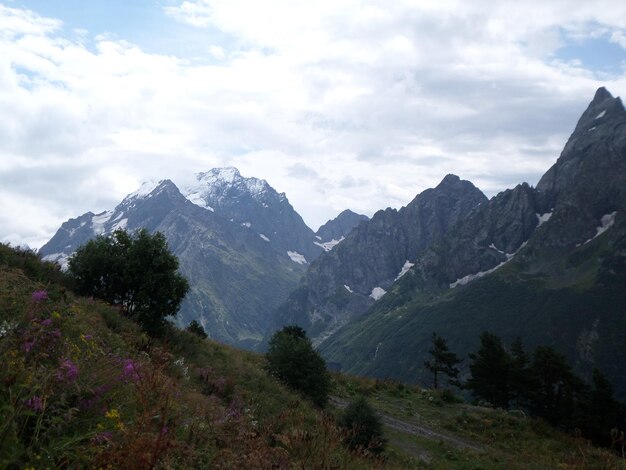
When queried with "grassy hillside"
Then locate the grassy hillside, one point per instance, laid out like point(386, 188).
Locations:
point(82, 386)
point(577, 308)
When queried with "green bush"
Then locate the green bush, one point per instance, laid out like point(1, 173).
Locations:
point(363, 426)
point(292, 359)
point(136, 272)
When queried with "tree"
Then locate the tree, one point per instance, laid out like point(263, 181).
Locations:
point(364, 428)
point(442, 361)
point(136, 272)
point(599, 412)
point(292, 359)
point(490, 369)
point(555, 388)
point(519, 378)
point(196, 328)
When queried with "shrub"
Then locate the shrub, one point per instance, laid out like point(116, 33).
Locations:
point(292, 359)
point(363, 426)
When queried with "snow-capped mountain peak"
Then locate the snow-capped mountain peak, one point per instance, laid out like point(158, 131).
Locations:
point(213, 186)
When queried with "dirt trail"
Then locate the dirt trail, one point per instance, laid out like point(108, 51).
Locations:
point(417, 430)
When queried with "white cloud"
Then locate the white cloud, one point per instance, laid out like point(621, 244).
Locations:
point(350, 103)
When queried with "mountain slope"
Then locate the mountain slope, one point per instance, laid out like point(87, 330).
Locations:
point(344, 282)
point(237, 278)
point(547, 264)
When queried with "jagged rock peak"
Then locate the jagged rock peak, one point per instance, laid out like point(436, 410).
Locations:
point(601, 94)
point(602, 109)
point(336, 229)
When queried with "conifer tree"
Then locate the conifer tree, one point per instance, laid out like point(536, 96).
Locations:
point(292, 359)
point(491, 369)
point(442, 361)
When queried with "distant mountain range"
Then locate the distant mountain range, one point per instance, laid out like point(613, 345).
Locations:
point(240, 243)
point(545, 263)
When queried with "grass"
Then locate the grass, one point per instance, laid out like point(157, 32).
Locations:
point(506, 439)
point(83, 386)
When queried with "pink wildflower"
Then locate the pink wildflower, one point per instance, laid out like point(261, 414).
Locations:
point(39, 295)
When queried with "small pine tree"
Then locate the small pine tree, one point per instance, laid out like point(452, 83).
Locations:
point(442, 361)
point(363, 425)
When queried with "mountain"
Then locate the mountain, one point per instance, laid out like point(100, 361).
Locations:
point(547, 264)
point(335, 231)
point(254, 204)
point(237, 276)
point(343, 283)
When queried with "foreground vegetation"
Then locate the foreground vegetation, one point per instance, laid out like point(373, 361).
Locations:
point(84, 386)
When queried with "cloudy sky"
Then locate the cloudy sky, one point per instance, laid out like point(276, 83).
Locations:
point(338, 103)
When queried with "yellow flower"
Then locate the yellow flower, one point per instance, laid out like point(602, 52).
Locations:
point(112, 414)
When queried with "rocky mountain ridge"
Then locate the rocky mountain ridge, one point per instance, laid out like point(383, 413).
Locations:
point(545, 263)
point(344, 283)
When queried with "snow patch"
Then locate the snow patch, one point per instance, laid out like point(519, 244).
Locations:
point(196, 198)
point(405, 269)
point(121, 225)
point(377, 293)
point(264, 237)
point(591, 129)
point(543, 218)
point(246, 224)
point(98, 221)
point(606, 222)
point(348, 289)
point(601, 115)
point(296, 257)
point(470, 277)
point(327, 246)
point(61, 258)
point(493, 247)
point(146, 188)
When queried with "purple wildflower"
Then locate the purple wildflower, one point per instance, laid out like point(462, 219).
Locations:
point(35, 403)
point(130, 371)
point(56, 333)
point(68, 371)
point(47, 322)
point(88, 337)
point(39, 295)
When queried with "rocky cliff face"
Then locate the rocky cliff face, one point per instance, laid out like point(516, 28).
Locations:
point(547, 264)
point(344, 282)
point(237, 277)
